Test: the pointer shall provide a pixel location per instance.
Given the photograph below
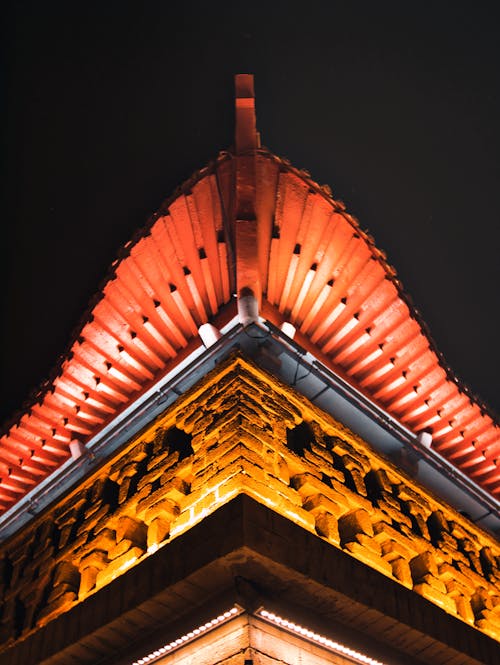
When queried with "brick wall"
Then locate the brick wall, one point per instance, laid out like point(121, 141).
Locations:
point(241, 431)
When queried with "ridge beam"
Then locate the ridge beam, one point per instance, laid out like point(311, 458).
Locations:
point(247, 137)
point(248, 278)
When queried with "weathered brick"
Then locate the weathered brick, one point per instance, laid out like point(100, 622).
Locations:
point(117, 566)
point(392, 540)
point(464, 608)
point(308, 484)
point(368, 556)
point(354, 523)
point(175, 489)
point(320, 503)
point(422, 565)
point(95, 518)
point(401, 571)
point(164, 509)
point(327, 526)
point(155, 498)
point(354, 499)
point(104, 539)
point(449, 573)
point(406, 493)
point(87, 580)
point(325, 466)
point(131, 529)
point(97, 559)
point(436, 597)
point(66, 573)
point(419, 518)
point(158, 530)
point(481, 600)
point(61, 589)
point(120, 548)
point(240, 422)
point(137, 453)
point(52, 610)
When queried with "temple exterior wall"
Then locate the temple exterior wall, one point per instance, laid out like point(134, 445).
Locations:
point(240, 431)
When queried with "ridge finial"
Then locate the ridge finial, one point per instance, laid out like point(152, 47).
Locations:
point(246, 134)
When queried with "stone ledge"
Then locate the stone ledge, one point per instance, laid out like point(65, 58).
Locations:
point(246, 539)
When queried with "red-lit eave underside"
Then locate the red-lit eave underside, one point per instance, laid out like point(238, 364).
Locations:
point(316, 267)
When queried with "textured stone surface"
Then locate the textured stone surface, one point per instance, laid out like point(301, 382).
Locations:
point(246, 553)
point(241, 431)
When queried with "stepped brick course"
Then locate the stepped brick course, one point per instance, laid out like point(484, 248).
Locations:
point(242, 431)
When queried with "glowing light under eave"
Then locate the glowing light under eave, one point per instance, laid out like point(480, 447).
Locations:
point(341, 649)
point(188, 637)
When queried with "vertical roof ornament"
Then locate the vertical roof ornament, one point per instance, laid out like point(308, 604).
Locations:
point(246, 226)
point(247, 136)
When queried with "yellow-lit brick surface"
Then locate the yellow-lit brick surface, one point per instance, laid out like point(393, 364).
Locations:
point(242, 431)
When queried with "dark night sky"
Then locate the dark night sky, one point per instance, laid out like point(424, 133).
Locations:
point(111, 105)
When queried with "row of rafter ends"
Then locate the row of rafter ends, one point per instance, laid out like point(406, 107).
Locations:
point(336, 288)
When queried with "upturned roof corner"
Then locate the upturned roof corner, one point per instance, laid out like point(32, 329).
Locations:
point(250, 236)
point(246, 134)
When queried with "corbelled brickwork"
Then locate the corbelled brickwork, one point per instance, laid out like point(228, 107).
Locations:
point(241, 431)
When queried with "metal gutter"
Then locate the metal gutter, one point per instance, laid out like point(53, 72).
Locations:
point(120, 430)
point(319, 384)
point(450, 483)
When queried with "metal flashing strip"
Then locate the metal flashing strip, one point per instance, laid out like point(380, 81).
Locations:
point(278, 353)
point(120, 430)
point(357, 410)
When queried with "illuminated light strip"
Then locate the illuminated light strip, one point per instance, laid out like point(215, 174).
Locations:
point(323, 641)
point(188, 637)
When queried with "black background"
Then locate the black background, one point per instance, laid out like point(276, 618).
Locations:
point(110, 105)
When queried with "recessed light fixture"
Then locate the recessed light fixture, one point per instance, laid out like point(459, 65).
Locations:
point(288, 329)
point(209, 334)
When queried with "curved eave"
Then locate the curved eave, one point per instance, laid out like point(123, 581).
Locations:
point(330, 281)
point(316, 267)
point(171, 279)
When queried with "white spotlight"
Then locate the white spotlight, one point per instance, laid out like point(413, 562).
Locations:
point(425, 439)
point(288, 329)
point(77, 449)
point(248, 309)
point(209, 334)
